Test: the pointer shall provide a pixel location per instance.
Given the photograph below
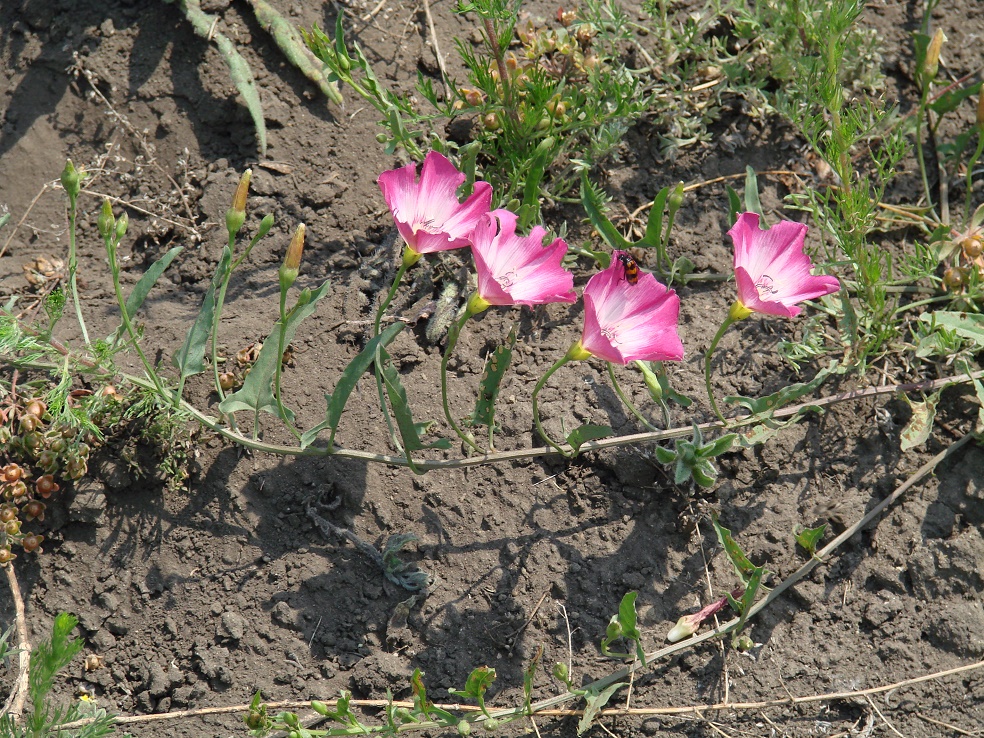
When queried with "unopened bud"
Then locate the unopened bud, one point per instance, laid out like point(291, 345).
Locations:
point(684, 628)
point(265, 225)
point(121, 225)
point(675, 200)
point(972, 247)
point(70, 179)
point(292, 262)
point(931, 65)
point(954, 278)
point(106, 223)
point(236, 215)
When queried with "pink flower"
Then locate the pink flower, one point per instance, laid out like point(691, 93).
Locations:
point(427, 212)
point(626, 321)
point(518, 270)
point(772, 271)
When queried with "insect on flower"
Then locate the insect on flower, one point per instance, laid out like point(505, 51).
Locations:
point(631, 267)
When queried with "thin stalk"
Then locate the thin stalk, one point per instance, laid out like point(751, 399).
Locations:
point(625, 399)
point(920, 155)
point(281, 337)
point(378, 363)
point(707, 366)
point(114, 269)
point(452, 341)
point(73, 265)
point(536, 408)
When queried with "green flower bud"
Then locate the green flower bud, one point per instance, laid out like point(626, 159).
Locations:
point(675, 200)
point(464, 728)
point(106, 223)
point(265, 225)
point(70, 179)
point(121, 225)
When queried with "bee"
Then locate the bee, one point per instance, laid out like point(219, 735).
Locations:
point(631, 268)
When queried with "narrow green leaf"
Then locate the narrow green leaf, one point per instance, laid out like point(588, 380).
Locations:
point(584, 433)
point(593, 204)
point(747, 600)
point(529, 673)
point(347, 382)
point(190, 358)
point(397, 394)
point(744, 568)
point(146, 283)
point(752, 202)
point(257, 394)
point(654, 225)
point(289, 40)
point(771, 403)
point(734, 204)
point(594, 702)
point(542, 156)
point(4, 219)
point(488, 391)
point(951, 100)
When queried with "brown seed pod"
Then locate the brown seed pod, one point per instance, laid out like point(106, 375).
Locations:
point(11, 473)
point(46, 485)
point(36, 408)
point(34, 509)
point(32, 542)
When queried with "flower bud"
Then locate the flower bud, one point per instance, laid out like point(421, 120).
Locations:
point(265, 225)
point(292, 261)
point(931, 65)
point(70, 179)
point(12, 528)
point(236, 215)
point(972, 247)
point(106, 223)
point(121, 225)
point(491, 121)
point(464, 727)
point(675, 200)
point(684, 628)
point(953, 278)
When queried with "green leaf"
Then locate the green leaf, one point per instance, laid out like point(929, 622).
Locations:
point(734, 204)
point(190, 359)
point(752, 203)
point(488, 390)
point(747, 600)
point(584, 433)
point(542, 155)
point(347, 383)
point(146, 283)
point(665, 455)
point(4, 219)
point(920, 425)
point(628, 619)
point(654, 225)
point(967, 325)
point(257, 392)
point(771, 403)
point(478, 682)
point(808, 538)
point(594, 702)
point(744, 568)
point(593, 204)
point(951, 99)
point(397, 394)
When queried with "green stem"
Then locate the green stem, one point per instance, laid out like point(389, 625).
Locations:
point(73, 265)
point(280, 365)
point(378, 363)
point(625, 399)
point(707, 366)
point(920, 156)
point(452, 341)
point(536, 408)
point(114, 269)
point(216, 317)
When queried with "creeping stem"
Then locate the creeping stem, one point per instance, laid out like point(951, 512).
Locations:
point(625, 398)
point(280, 364)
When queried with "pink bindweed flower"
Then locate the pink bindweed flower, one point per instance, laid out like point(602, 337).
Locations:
point(772, 270)
point(427, 212)
point(517, 270)
point(626, 321)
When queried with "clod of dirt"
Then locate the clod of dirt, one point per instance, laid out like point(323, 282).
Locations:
point(89, 502)
point(959, 629)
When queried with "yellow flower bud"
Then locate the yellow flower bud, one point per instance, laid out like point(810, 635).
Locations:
point(292, 262)
point(931, 65)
